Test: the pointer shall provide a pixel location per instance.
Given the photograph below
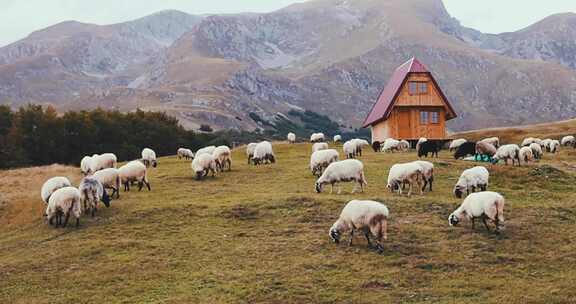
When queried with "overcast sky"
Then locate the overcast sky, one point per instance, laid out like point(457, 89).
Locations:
point(20, 17)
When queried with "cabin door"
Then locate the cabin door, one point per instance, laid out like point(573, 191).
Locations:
point(404, 125)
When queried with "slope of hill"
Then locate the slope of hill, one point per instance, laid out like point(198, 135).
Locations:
point(261, 235)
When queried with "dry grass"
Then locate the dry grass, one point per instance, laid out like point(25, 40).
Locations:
point(259, 235)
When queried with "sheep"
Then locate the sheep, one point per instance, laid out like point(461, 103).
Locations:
point(465, 149)
point(149, 157)
point(250, 151)
point(337, 138)
point(349, 149)
point(470, 180)
point(104, 161)
point(317, 137)
point(409, 173)
point(377, 146)
point(546, 144)
point(391, 145)
point(495, 141)
point(370, 217)
point(85, 165)
point(420, 141)
point(456, 143)
point(530, 140)
point(404, 146)
point(526, 155)
point(203, 164)
point(320, 160)
point(360, 143)
point(185, 153)
point(429, 147)
point(223, 157)
point(319, 146)
point(554, 146)
point(427, 172)
point(484, 148)
point(536, 150)
point(91, 192)
point(507, 152)
point(63, 202)
point(206, 150)
point(110, 179)
point(342, 171)
point(263, 154)
point(568, 141)
point(52, 185)
point(134, 171)
point(484, 205)
point(291, 137)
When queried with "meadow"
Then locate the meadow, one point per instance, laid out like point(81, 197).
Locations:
point(260, 235)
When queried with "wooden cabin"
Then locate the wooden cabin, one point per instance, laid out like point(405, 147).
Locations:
point(411, 106)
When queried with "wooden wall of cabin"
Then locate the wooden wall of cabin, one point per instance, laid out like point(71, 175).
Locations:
point(433, 98)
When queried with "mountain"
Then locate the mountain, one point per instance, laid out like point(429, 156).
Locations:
point(328, 56)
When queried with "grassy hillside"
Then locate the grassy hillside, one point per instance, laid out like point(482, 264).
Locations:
point(260, 235)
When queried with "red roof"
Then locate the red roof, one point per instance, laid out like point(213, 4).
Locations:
point(383, 106)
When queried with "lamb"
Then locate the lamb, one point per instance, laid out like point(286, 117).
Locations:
point(409, 173)
point(291, 137)
point(149, 157)
point(370, 217)
point(465, 149)
point(495, 141)
point(470, 180)
point(91, 192)
point(250, 151)
point(206, 150)
point(110, 179)
point(320, 160)
point(51, 185)
point(427, 172)
point(426, 147)
point(360, 143)
point(85, 165)
point(223, 157)
point(134, 171)
point(404, 145)
point(507, 152)
point(526, 155)
point(317, 137)
point(104, 161)
point(319, 146)
point(420, 141)
point(391, 145)
point(456, 143)
point(536, 150)
point(263, 154)
point(568, 141)
point(185, 153)
point(63, 202)
point(349, 149)
point(337, 138)
point(484, 205)
point(485, 148)
point(203, 164)
point(554, 146)
point(342, 171)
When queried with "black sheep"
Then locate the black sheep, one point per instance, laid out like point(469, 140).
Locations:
point(376, 146)
point(430, 146)
point(467, 148)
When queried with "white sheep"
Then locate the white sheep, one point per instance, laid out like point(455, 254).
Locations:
point(291, 137)
point(223, 157)
point(103, 161)
point(456, 143)
point(203, 164)
point(342, 171)
point(63, 202)
point(427, 172)
point(110, 179)
point(319, 146)
point(91, 192)
point(349, 149)
point(317, 137)
point(320, 160)
point(508, 152)
point(554, 146)
point(360, 143)
point(526, 155)
point(408, 173)
point(206, 150)
point(52, 185)
point(149, 157)
point(470, 180)
point(134, 171)
point(495, 141)
point(250, 151)
point(85, 165)
point(421, 140)
point(536, 150)
point(391, 145)
point(546, 144)
point(369, 217)
point(484, 205)
point(568, 141)
point(337, 138)
point(530, 140)
point(185, 153)
point(263, 154)
point(404, 145)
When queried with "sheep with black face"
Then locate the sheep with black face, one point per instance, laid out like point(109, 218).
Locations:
point(484, 205)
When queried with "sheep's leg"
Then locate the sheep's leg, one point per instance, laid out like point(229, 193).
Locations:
point(367, 236)
point(339, 189)
point(425, 184)
point(148, 185)
point(410, 190)
point(93, 210)
point(50, 221)
point(486, 223)
point(351, 237)
point(473, 223)
point(332, 188)
point(229, 165)
point(77, 222)
point(430, 183)
point(361, 186)
point(353, 189)
point(140, 185)
point(66, 220)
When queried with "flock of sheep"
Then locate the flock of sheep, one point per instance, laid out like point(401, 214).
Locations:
point(369, 217)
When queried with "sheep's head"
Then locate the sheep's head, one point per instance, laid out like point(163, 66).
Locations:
point(318, 187)
point(393, 186)
point(106, 199)
point(458, 192)
point(335, 235)
point(154, 163)
point(453, 220)
point(199, 174)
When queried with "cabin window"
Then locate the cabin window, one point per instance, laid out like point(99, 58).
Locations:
point(417, 88)
point(413, 88)
point(423, 118)
point(423, 88)
point(435, 117)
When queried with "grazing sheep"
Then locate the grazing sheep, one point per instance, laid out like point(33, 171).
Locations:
point(104, 161)
point(507, 152)
point(554, 146)
point(456, 143)
point(391, 145)
point(546, 144)
point(319, 146)
point(408, 173)
point(495, 141)
point(465, 149)
point(250, 151)
point(337, 138)
point(317, 137)
point(526, 155)
point(429, 146)
point(185, 153)
point(370, 217)
point(342, 171)
point(206, 150)
point(420, 141)
point(484, 148)
point(530, 140)
point(320, 160)
point(360, 143)
point(110, 179)
point(291, 137)
point(203, 164)
point(91, 192)
point(63, 202)
point(223, 157)
point(85, 165)
point(134, 171)
point(263, 154)
point(568, 141)
point(484, 205)
point(52, 185)
point(404, 146)
point(427, 173)
point(470, 180)
point(149, 157)
point(349, 149)
point(377, 146)
point(536, 150)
